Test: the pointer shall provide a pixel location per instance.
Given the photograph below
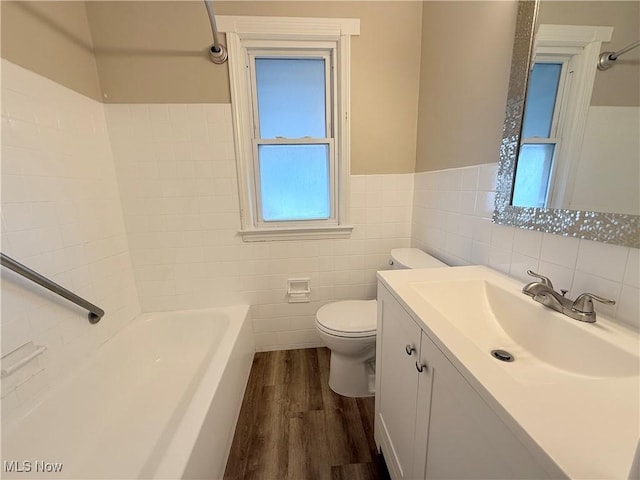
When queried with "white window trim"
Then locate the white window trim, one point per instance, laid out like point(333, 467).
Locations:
point(240, 31)
point(583, 44)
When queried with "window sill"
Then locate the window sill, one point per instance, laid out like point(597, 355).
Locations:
point(315, 233)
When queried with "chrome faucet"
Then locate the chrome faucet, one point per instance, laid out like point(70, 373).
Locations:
point(579, 309)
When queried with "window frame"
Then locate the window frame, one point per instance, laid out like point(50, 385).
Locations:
point(292, 52)
point(559, 113)
point(291, 36)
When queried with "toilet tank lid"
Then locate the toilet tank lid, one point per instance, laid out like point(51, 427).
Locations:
point(415, 258)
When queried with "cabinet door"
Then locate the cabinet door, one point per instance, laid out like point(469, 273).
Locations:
point(466, 439)
point(398, 384)
point(423, 410)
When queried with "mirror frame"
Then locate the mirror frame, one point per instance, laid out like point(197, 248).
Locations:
point(614, 228)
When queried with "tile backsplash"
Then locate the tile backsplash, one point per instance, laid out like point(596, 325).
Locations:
point(61, 216)
point(177, 175)
point(452, 212)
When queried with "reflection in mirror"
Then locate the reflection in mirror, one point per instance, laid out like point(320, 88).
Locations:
point(540, 131)
point(570, 126)
point(570, 158)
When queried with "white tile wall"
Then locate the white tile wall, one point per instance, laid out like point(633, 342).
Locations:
point(61, 216)
point(176, 170)
point(452, 212)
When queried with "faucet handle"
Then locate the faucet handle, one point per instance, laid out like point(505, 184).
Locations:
point(544, 280)
point(584, 302)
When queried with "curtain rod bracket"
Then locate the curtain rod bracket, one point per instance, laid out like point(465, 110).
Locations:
point(605, 62)
point(218, 54)
point(608, 59)
point(217, 51)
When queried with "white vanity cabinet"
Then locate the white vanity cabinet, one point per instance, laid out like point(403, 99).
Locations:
point(433, 424)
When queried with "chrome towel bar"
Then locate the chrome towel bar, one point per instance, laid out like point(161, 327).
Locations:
point(95, 313)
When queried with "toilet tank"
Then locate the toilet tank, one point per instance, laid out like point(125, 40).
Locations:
point(404, 258)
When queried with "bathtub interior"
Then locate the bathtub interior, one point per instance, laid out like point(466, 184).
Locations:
point(119, 414)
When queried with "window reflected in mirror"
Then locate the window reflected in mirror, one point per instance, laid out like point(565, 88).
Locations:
point(540, 134)
point(579, 146)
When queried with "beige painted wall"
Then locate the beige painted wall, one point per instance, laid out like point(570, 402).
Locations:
point(155, 52)
point(619, 86)
point(466, 56)
point(52, 39)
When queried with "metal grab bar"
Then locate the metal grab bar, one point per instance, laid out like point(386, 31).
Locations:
point(95, 313)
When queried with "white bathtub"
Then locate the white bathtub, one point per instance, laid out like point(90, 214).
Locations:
point(159, 400)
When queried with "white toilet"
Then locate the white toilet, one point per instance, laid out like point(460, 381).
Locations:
point(348, 329)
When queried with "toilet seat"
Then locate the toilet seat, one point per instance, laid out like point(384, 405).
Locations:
point(338, 333)
point(349, 318)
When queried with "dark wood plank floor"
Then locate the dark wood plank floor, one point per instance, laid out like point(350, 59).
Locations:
point(293, 426)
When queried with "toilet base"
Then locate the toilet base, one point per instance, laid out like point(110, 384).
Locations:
point(349, 376)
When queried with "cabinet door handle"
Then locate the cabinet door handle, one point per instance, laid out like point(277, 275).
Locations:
point(421, 367)
point(409, 349)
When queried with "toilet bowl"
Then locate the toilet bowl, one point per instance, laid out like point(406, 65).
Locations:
point(348, 329)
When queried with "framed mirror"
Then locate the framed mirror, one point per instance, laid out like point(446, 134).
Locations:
point(569, 160)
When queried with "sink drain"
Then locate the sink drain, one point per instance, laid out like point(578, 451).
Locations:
point(502, 355)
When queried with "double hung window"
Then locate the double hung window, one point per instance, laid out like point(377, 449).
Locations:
point(541, 132)
point(294, 154)
point(290, 99)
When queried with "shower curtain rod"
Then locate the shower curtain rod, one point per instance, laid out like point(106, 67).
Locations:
point(217, 51)
point(607, 59)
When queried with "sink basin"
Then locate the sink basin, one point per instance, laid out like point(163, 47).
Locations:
point(494, 314)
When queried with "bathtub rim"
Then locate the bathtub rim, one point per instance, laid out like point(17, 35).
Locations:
point(177, 454)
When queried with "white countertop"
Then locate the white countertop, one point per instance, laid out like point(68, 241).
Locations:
point(588, 426)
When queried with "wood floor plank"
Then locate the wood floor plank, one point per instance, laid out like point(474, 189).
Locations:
point(304, 388)
point(242, 438)
point(347, 437)
point(308, 447)
point(267, 452)
point(329, 397)
point(276, 369)
point(367, 407)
